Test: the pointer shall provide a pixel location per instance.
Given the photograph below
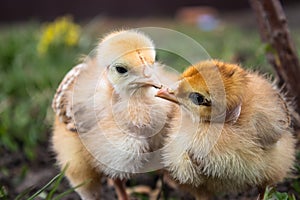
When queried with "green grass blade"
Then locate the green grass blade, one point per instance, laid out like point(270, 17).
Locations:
point(3, 193)
point(69, 191)
point(45, 187)
point(57, 183)
point(23, 193)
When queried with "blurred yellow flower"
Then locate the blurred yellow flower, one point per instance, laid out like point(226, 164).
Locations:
point(62, 32)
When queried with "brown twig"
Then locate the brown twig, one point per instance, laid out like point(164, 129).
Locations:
point(282, 55)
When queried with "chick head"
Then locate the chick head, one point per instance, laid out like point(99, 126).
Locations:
point(210, 91)
point(129, 58)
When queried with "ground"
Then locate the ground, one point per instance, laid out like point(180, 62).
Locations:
point(40, 171)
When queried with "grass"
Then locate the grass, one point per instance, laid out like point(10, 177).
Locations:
point(48, 191)
point(272, 194)
point(28, 80)
point(28, 83)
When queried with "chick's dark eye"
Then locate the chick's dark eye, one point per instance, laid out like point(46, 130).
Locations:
point(196, 98)
point(121, 70)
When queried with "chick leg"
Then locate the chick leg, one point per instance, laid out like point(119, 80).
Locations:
point(120, 189)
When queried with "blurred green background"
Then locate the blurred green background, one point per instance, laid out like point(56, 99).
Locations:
point(35, 56)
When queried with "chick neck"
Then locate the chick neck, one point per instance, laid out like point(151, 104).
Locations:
point(135, 109)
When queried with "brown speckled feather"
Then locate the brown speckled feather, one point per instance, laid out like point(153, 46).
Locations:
point(62, 101)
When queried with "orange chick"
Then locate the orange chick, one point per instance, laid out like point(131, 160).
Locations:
point(107, 119)
point(233, 132)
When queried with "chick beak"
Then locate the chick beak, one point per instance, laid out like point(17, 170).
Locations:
point(152, 84)
point(166, 93)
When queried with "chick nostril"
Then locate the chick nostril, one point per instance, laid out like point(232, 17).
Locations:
point(147, 72)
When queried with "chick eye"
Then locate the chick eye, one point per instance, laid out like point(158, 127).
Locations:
point(197, 98)
point(120, 69)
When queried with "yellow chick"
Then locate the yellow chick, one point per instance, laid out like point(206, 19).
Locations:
point(233, 132)
point(108, 120)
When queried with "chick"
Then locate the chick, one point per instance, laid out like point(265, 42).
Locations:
point(108, 121)
point(233, 132)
